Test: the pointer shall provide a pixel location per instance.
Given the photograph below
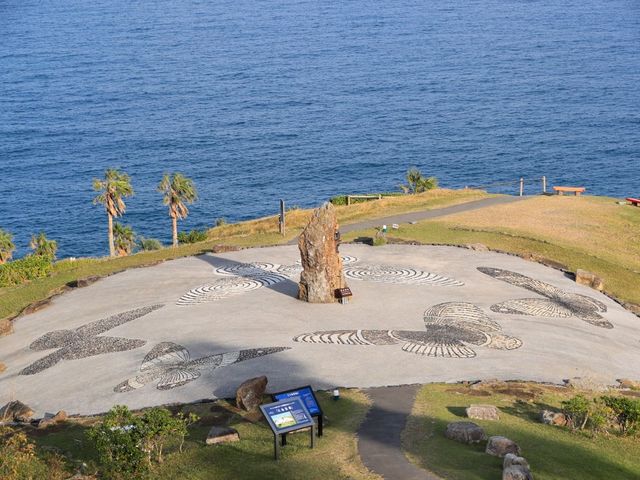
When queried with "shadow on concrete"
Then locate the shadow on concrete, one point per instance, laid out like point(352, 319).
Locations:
point(286, 286)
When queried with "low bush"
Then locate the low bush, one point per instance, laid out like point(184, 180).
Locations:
point(19, 460)
point(127, 444)
point(577, 410)
point(626, 412)
point(28, 268)
point(149, 244)
point(194, 236)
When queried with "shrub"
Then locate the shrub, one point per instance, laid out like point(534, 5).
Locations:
point(418, 183)
point(220, 222)
point(149, 244)
point(18, 459)
point(626, 412)
point(577, 409)
point(28, 268)
point(118, 443)
point(127, 444)
point(339, 200)
point(7, 246)
point(124, 239)
point(193, 236)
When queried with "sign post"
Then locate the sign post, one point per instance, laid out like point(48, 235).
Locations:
point(281, 222)
point(287, 416)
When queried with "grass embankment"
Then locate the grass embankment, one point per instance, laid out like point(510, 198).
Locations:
point(592, 233)
point(554, 453)
point(260, 232)
point(335, 455)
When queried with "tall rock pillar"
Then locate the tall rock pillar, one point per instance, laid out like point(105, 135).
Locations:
point(322, 270)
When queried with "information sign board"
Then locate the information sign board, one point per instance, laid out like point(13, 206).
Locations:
point(287, 415)
point(307, 396)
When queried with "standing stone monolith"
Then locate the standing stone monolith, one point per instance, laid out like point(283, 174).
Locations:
point(322, 272)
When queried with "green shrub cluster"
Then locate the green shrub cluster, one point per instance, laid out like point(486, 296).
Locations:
point(149, 244)
point(194, 236)
point(19, 271)
point(19, 459)
point(605, 413)
point(128, 445)
point(342, 199)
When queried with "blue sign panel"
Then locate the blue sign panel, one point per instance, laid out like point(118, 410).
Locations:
point(287, 415)
point(307, 396)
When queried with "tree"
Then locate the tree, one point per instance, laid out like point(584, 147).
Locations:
point(6, 246)
point(124, 239)
point(43, 247)
point(177, 190)
point(112, 188)
point(418, 183)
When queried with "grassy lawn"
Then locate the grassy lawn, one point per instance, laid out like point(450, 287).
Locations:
point(260, 232)
point(335, 455)
point(592, 233)
point(554, 453)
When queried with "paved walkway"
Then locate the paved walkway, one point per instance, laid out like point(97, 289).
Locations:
point(379, 441)
point(196, 327)
point(424, 214)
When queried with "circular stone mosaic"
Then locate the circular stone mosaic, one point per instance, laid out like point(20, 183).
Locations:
point(401, 275)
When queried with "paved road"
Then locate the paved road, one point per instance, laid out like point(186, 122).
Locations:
point(379, 441)
point(429, 214)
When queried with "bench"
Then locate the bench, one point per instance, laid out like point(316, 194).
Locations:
point(634, 201)
point(575, 190)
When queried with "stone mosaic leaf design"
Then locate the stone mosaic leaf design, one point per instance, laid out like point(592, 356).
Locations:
point(85, 341)
point(556, 304)
point(452, 330)
point(171, 366)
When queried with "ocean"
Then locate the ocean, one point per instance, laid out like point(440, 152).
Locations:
point(301, 100)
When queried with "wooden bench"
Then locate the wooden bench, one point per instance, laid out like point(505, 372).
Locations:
point(634, 201)
point(575, 190)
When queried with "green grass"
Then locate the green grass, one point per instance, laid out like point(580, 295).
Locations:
point(554, 453)
point(335, 455)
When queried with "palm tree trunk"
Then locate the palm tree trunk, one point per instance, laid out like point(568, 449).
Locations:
point(112, 249)
point(174, 221)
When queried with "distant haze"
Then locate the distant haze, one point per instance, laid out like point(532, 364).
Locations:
point(261, 100)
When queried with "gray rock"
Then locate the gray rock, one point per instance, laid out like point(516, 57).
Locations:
point(16, 411)
point(483, 412)
point(511, 459)
point(222, 435)
point(250, 392)
point(499, 446)
point(516, 472)
point(465, 432)
point(322, 272)
point(553, 418)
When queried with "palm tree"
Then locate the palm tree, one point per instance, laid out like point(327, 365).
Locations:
point(177, 190)
point(417, 183)
point(124, 239)
point(6, 246)
point(42, 246)
point(112, 188)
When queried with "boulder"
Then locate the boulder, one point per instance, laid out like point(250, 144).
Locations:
point(322, 272)
point(499, 446)
point(465, 432)
point(553, 418)
point(511, 459)
point(517, 472)
point(589, 279)
point(249, 393)
point(61, 416)
point(49, 419)
point(16, 411)
point(483, 412)
point(222, 435)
